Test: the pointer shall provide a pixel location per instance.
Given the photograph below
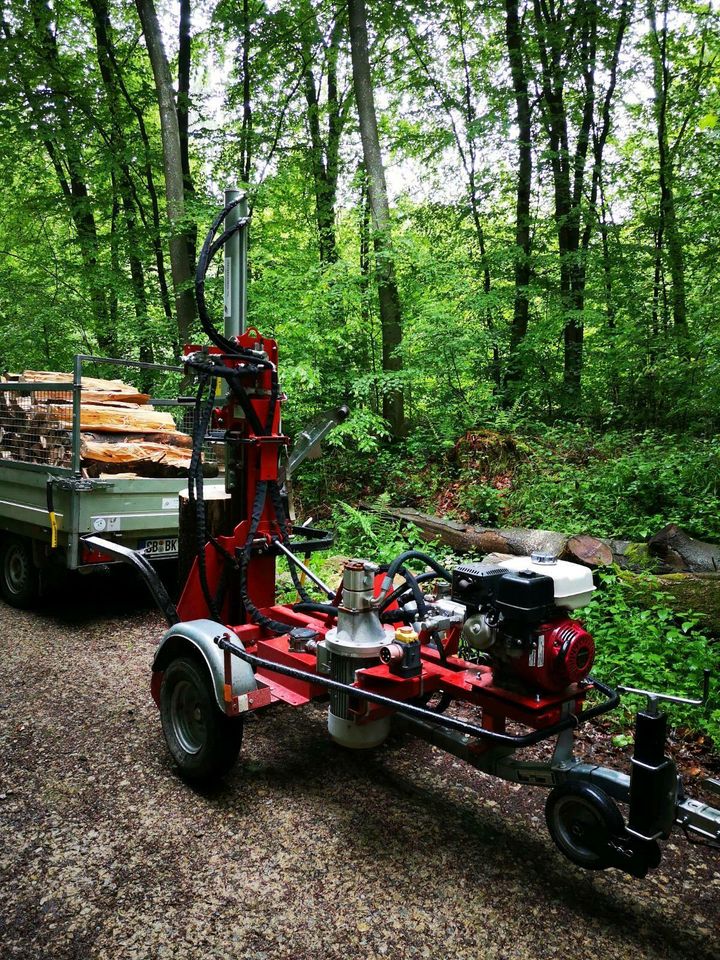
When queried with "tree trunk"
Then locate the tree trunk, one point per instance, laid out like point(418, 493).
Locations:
point(156, 232)
point(667, 209)
point(183, 113)
point(521, 304)
point(323, 153)
point(119, 150)
point(553, 29)
point(390, 314)
point(246, 128)
point(172, 162)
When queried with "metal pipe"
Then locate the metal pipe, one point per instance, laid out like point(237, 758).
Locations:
point(136, 364)
point(305, 569)
point(409, 709)
point(235, 293)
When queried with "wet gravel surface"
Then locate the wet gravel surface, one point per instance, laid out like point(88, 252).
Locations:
point(305, 852)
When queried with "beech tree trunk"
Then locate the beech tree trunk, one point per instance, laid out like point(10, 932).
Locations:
point(554, 26)
point(183, 113)
point(667, 215)
point(324, 151)
point(523, 218)
point(390, 314)
point(125, 185)
point(173, 168)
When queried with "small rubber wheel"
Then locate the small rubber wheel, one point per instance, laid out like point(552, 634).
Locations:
point(19, 578)
point(582, 819)
point(203, 741)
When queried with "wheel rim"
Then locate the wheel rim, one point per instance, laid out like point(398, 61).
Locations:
point(186, 717)
point(16, 570)
point(579, 828)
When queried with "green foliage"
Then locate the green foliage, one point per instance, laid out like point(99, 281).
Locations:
point(368, 535)
point(482, 502)
point(654, 647)
point(618, 485)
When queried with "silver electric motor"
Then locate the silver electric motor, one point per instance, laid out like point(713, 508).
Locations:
point(355, 643)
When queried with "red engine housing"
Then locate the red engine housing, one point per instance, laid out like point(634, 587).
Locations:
point(562, 655)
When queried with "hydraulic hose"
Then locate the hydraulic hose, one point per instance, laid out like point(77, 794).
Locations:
point(399, 561)
point(399, 592)
point(312, 607)
point(209, 248)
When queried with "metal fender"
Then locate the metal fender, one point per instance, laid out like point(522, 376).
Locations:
point(199, 636)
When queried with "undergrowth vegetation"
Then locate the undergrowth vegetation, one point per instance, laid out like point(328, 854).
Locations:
point(568, 478)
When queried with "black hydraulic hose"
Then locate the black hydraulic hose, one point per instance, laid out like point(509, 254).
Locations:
point(399, 561)
point(309, 606)
point(203, 413)
point(398, 615)
point(209, 249)
point(420, 713)
point(416, 592)
point(276, 626)
point(399, 591)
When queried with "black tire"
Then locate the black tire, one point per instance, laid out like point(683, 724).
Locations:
point(204, 742)
point(19, 577)
point(582, 820)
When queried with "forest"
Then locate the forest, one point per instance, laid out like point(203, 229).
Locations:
point(490, 228)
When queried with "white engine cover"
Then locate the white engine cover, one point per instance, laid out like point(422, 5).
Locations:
point(573, 583)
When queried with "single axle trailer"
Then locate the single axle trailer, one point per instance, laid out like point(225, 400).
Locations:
point(48, 503)
point(394, 646)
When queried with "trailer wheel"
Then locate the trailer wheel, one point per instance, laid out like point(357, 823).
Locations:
point(582, 820)
point(19, 578)
point(203, 741)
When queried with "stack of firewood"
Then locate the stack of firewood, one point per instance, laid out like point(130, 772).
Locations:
point(121, 433)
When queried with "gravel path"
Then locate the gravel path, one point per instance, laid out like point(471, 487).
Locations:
point(306, 852)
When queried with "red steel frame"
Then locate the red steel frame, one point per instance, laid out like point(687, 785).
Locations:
point(464, 681)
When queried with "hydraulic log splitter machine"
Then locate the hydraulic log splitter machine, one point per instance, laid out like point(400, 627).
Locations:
point(382, 647)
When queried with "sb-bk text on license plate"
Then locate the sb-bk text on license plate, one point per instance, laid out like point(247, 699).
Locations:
point(160, 547)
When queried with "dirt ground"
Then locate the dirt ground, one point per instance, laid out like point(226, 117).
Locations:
point(307, 851)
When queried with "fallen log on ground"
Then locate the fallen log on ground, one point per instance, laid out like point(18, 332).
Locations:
point(518, 541)
point(591, 551)
point(681, 552)
point(699, 592)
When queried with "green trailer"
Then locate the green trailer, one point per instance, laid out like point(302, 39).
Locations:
point(48, 503)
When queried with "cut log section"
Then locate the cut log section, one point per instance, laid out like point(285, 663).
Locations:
point(174, 439)
point(218, 523)
point(112, 419)
point(90, 383)
point(134, 452)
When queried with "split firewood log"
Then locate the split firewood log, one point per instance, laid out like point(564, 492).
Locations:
point(174, 439)
point(93, 389)
point(134, 452)
point(91, 383)
point(116, 419)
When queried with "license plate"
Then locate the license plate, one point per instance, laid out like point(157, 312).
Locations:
point(160, 547)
